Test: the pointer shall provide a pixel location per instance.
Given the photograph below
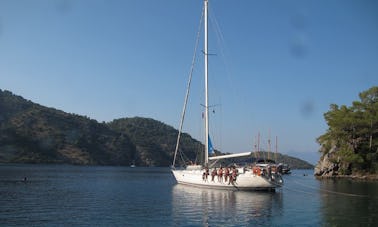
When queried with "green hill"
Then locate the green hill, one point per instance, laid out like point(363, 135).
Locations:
point(31, 133)
point(154, 141)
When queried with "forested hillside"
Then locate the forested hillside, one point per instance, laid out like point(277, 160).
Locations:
point(350, 145)
point(31, 133)
point(155, 141)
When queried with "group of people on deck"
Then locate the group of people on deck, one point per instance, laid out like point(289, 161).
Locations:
point(229, 174)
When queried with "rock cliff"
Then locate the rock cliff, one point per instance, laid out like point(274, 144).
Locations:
point(327, 166)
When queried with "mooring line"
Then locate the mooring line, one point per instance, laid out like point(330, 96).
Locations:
point(333, 192)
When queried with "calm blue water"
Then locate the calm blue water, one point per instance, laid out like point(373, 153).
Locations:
point(56, 195)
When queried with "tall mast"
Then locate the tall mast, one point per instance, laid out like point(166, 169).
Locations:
point(275, 157)
point(206, 87)
point(269, 146)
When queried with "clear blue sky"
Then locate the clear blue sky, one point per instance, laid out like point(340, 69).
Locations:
point(278, 64)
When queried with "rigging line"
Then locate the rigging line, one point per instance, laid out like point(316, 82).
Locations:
point(228, 72)
point(221, 43)
point(188, 86)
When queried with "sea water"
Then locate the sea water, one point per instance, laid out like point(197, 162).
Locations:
point(64, 195)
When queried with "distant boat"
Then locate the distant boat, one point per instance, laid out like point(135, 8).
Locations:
point(209, 174)
point(285, 168)
point(133, 165)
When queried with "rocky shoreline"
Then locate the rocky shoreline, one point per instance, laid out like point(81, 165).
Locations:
point(367, 177)
point(326, 169)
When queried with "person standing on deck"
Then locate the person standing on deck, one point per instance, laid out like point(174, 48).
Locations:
point(213, 173)
point(226, 174)
point(220, 175)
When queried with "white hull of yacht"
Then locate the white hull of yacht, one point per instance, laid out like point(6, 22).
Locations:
point(246, 181)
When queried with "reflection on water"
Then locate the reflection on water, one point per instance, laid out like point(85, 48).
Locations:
point(56, 195)
point(209, 207)
point(347, 202)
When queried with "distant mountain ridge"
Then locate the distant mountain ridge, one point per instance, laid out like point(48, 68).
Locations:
point(32, 133)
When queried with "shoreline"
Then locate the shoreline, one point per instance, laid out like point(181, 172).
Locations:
point(367, 177)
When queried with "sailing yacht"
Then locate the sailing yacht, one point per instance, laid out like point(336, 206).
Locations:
point(208, 174)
